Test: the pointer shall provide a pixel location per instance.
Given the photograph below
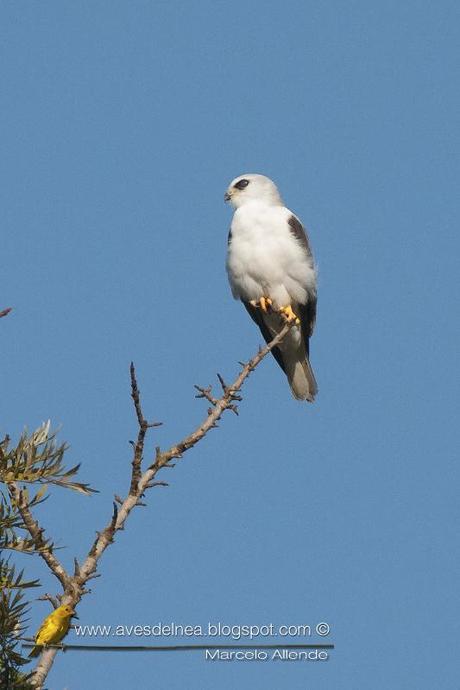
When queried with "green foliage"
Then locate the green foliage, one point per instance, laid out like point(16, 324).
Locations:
point(13, 609)
point(38, 458)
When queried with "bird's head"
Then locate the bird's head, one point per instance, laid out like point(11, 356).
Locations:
point(251, 187)
point(65, 611)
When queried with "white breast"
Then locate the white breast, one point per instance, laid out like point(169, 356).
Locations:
point(265, 259)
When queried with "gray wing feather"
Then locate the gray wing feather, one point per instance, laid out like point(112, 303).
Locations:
point(308, 310)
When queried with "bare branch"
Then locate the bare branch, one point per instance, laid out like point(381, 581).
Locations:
point(206, 393)
point(43, 547)
point(226, 402)
point(163, 458)
point(74, 587)
point(143, 426)
point(49, 597)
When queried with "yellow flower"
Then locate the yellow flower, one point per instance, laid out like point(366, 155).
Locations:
point(53, 628)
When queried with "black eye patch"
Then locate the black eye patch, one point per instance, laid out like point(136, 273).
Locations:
point(241, 184)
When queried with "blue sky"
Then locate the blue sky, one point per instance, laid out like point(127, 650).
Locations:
point(122, 124)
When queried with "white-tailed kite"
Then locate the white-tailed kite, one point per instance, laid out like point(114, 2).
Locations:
point(271, 270)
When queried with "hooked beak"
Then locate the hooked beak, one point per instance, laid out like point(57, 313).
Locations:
point(227, 197)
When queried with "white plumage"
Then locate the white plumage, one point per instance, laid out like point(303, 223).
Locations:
point(269, 257)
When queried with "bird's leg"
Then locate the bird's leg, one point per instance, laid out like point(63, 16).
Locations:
point(289, 315)
point(263, 303)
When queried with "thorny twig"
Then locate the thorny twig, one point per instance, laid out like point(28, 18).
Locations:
point(143, 426)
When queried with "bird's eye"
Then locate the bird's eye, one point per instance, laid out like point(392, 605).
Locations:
point(241, 184)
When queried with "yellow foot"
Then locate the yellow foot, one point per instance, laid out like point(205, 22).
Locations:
point(263, 303)
point(289, 315)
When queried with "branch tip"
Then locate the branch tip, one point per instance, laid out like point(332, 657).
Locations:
point(76, 570)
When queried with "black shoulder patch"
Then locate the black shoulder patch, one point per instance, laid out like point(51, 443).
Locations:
point(229, 238)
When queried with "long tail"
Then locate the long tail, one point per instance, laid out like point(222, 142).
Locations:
point(300, 376)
